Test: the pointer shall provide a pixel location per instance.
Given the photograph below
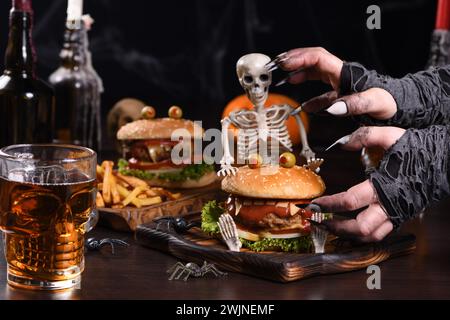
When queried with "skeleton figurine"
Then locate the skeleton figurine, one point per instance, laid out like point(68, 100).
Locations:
point(261, 128)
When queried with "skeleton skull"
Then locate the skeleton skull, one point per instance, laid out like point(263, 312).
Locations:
point(123, 112)
point(254, 77)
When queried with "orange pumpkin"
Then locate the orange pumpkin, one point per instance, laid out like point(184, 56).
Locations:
point(242, 102)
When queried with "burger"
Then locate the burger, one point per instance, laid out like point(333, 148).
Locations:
point(147, 147)
point(269, 206)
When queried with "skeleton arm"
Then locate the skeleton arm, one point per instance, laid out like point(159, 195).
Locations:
point(227, 159)
point(312, 162)
point(302, 130)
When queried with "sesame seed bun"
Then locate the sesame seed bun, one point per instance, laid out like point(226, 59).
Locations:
point(273, 182)
point(161, 128)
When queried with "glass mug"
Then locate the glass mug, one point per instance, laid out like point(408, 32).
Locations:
point(47, 204)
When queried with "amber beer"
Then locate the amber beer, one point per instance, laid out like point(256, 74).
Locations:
point(45, 211)
point(45, 226)
point(371, 157)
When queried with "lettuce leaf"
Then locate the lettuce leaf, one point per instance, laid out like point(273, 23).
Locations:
point(211, 212)
point(191, 172)
point(122, 166)
point(295, 245)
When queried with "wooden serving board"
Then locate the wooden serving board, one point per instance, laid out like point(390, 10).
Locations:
point(191, 200)
point(340, 256)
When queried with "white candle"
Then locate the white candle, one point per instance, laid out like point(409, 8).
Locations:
point(74, 10)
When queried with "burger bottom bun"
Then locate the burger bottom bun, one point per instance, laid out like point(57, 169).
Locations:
point(207, 179)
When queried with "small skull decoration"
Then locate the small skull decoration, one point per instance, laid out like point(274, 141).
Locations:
point(254, 77)
point(124, 111)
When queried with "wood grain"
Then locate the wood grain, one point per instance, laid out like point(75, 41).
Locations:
point(197, 247)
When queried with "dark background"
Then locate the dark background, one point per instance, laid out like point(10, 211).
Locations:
point(184, 52)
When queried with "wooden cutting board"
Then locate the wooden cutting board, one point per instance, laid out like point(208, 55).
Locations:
point(340, 256)
point(191, 200)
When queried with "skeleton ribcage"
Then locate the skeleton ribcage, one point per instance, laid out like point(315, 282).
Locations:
point(276, 122)
point(252, 140)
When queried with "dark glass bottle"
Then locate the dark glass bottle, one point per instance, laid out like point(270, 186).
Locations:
point(78, 88)
point(26, 102)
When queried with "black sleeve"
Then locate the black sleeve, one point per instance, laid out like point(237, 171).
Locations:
point(414, 173)
point(422, 98)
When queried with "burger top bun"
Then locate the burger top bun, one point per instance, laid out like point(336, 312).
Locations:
point(161, 128)
point(273, 182)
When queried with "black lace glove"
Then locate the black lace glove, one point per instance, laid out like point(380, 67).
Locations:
point(422, 98)
point(414, 173)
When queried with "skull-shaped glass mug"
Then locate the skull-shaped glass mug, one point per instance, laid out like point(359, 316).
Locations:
point(47, 204)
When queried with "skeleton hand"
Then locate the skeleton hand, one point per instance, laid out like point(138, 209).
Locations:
point(226, 170)
point(229, 232)
point(226, 167)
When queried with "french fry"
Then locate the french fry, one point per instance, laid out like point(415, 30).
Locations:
point(124, 193)
point(151, 193)
point(115, 190)
point(160, 192)
point(115, 194)
point(176, 196)
point(122, 183)
point(107, 176)
point(110, 193)
point(99, 201)
point(132, 196)
point(150, 201)
point(100, 172)
point(132, 181)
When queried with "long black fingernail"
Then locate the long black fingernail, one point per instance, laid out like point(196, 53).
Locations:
point(290, 75)
point(297, 110)
point(343, 140)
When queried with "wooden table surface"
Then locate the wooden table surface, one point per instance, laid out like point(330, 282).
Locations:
point(140, 273)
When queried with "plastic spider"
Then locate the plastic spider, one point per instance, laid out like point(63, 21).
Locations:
point(95, 245)
point(179, 224)
point(192, 269)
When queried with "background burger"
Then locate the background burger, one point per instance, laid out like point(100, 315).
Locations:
point(147, 147)
point(268, 209)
